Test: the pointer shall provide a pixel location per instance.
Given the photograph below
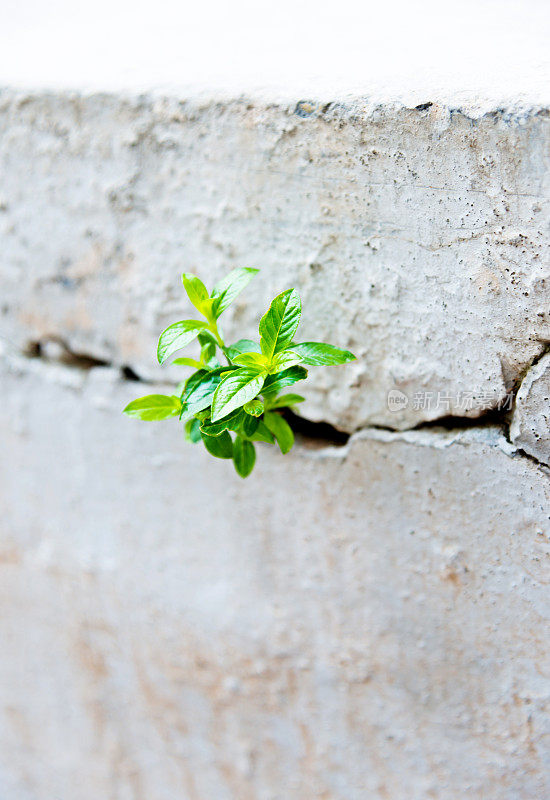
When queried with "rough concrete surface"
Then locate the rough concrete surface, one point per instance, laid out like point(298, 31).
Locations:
point(530, 428)
point(417, 237)
point(349, 623)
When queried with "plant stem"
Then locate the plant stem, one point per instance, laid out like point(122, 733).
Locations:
point(214, 328)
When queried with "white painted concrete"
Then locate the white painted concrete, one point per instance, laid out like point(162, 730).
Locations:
point(478, 53)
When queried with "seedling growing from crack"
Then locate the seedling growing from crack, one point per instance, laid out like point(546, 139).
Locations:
point(242, 397)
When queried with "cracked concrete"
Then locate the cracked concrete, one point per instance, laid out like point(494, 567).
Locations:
point(530, 428)
point(362, 620)
point(53, 360)
point(417, 238)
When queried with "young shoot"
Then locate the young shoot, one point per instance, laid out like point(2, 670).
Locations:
point(230, 406)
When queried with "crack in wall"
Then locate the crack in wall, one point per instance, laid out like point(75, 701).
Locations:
point(523, 374)
point(542, 467)
point(311, 434)
point(56, 350)
point(316, 434)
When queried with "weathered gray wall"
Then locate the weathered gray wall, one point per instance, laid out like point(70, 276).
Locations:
point(358, 622)
point(418, 238)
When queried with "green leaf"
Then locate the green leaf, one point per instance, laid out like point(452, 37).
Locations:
point(208, 349)
point(188, 362)
point(249, 424)
point(251, 360)
point(206, 336)
point(229, 288)
point(279, 323)
point(197, 293)
point(261, 434)
point(220, 446)
point(199, 391)
point(177, 336)
point(280, 429)
point(285, 401)
point(244, 456)
point(192, 382)
point(231, 422)
point(235, 390)
point(284, 360)
point(274, 383)
point(242, 346)
point(153, 407)
point(201, 375)
point(192, 430)
point(254, 407)
point(318, 354)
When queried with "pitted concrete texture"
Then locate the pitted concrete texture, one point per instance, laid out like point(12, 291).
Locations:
point(418, 238)
point(358, 622)
point(530, 428)
point(349, 623)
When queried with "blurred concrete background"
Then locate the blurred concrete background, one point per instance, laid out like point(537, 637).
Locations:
point(358, 621)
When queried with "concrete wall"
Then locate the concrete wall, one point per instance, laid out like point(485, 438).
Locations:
point(353, 622)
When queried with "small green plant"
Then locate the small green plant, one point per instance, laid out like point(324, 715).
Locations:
point(242, 397)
